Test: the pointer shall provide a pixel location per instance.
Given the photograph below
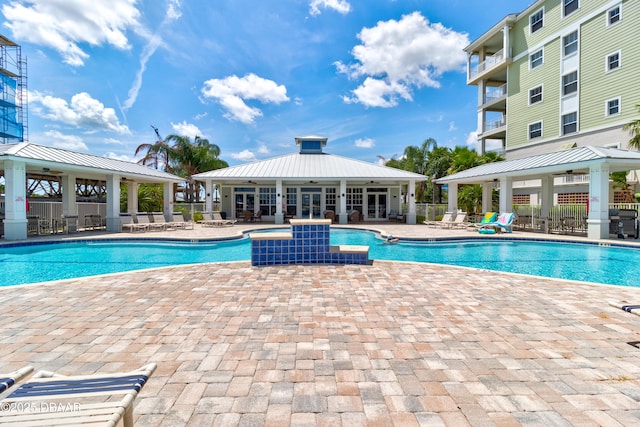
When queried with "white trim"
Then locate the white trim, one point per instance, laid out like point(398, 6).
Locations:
point(607, 69)
point(542, 19)
point(608, 17)
point(563, 4)
point(607, 107)
point(541, 86)
point(529, 130)
point(541, 50)
point(564, 46)
point(563, 85)
point(562, 123)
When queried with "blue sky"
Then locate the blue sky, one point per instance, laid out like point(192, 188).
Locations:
point(374, 76)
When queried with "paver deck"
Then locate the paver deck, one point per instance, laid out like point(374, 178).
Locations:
point(386, 344)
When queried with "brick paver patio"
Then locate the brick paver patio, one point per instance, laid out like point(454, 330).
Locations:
point(389, 344)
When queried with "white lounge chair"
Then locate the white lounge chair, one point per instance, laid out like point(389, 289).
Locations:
point(179, 222)
point(101, 399)
point(127, 223)
point(218, 217)
point(446, 218)
point(160, 223)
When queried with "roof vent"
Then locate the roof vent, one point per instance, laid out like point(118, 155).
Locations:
point(311, 144)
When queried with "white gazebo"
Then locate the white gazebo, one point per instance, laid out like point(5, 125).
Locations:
point(597, 162)
point(310, 182)
point(22, 159)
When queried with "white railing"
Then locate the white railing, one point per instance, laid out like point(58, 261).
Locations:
point(488, 63)
point(494, 124)
point(494, 93)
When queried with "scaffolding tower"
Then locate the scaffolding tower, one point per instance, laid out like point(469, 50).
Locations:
point(13, 93)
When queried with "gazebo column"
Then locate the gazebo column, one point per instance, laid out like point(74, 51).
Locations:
point(208, 198)
point(113, 203)
point(598, 222)
point(546, 202)
point(506, 194)
point(279, 217)
point(15, 222)
point(411, 215)
point(452, 199)
point(69, 206)
point(342, 213)
point(487, 197)
point(132, 197)
point(168, 201)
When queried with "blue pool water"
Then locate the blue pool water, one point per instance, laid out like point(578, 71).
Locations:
point(601, 264)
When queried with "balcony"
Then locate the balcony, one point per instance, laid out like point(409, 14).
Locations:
point(495, 129)
point(491, 64)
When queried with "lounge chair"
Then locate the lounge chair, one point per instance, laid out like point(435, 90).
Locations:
point(9, 380)
point(127, 223)
point(446, 218)
point(102, 399)
point(459, 221)
point(218, 217)
point(160, 223)
point(178, 221)
point(488, 218)
point(502, 223)
point(208, 221)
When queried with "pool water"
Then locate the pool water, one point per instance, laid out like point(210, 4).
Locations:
point(592, 263)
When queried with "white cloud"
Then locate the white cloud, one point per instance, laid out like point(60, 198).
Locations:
point(172, 13)
point(244, 156)
point(84, 112)
point(472, 138)
point(452, 126)
point(364, 143)
point(396, 57)
point(186, 129)
point(63, 25)
point(340, 6)
point(67, 142)
point(232, 92)
point(263, 149)
point(123, 157)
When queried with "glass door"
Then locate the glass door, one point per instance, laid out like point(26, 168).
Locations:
point(310, 205)
point(376, 205)
point(245, 202)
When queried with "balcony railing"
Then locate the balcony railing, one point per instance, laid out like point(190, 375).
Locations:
point(489, 62)
point(494, 93)
point(495, 124)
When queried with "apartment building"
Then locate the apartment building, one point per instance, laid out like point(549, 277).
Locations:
point(560, 74)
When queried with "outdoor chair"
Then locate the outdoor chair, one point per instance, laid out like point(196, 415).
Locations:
point(330, 215)
point(103, 399)
point(503, 222)
point(127, 223)
point(488, 218)
point(208, 221)
point(9, 380)
point(247, 216)
point(179, 222)
point(258, 217)
point(393, 214)
point(446, 218)
point(354, 216)
point(218, 217)
point(160, 223)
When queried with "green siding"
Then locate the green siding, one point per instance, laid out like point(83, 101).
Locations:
point(596, 85)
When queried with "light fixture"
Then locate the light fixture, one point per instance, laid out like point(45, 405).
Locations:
point(278, 194)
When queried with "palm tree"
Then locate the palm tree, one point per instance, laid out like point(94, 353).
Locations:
point(633, 127)
point(416, 161)
point(156, 155)
point(188, 158)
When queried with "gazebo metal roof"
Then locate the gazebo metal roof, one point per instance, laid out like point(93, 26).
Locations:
point(40, 158)
point(305, 167)
point(577, 159)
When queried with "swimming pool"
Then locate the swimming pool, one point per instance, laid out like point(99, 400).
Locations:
point(585, 262)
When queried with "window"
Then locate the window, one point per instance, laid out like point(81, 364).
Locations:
point(535, 130)
point(330, 199)
point(536, 59)
point(570, 83)
point(354, 199)
point(613, 107)
point(537, 20)
point(569, 123)
point(613, 15)
point(613, 61)
point(570, 6)
point(535, 95)
point(292, 201)
point(268, 200)
point(570, 43)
